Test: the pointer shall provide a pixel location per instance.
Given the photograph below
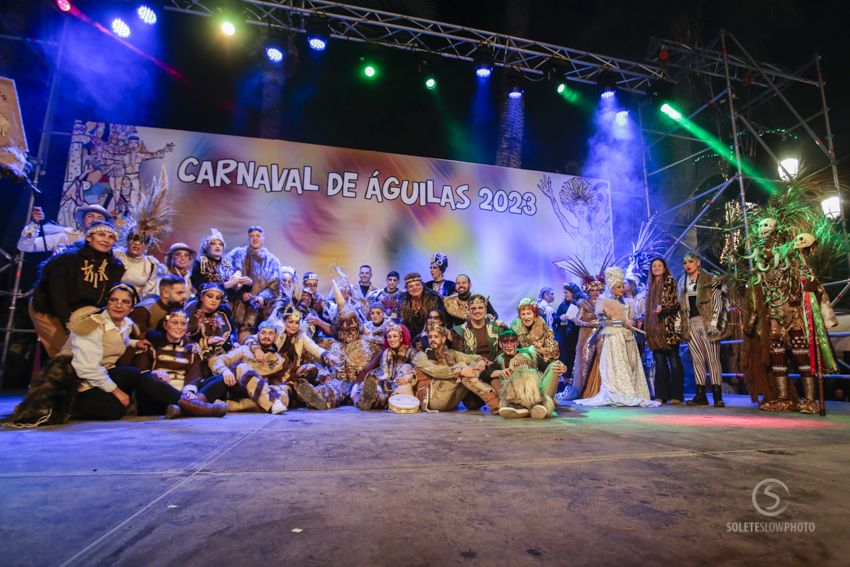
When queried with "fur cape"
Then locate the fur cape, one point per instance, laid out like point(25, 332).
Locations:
point(50, 402)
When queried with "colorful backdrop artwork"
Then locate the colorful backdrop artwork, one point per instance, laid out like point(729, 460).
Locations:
point(503, 227)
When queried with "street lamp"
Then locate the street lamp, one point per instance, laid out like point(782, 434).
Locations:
point(788, 168)
point(831, 207)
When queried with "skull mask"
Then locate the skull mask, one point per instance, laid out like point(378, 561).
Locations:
point(766, 227)
point(804, 240)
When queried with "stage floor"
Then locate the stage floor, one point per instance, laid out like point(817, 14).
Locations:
point(604, 486)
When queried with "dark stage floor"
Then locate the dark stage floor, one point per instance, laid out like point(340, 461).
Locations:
point(606, 486)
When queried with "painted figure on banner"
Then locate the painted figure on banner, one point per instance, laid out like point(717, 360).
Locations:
point(583, 208)
point(105, 168)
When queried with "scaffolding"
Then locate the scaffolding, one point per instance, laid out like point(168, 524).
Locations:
point(722, 73)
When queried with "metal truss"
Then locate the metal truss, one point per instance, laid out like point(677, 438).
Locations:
point(377, 27)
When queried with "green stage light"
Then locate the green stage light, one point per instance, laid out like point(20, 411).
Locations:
point(720, 148)
point(430, 83)
point(369, 68)
point(671, 112)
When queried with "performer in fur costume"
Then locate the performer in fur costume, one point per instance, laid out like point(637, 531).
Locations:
point(390, 372)
point(532, 330)
point(523, 380)
point(789, 309)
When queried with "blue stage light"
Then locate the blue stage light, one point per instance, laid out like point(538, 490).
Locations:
point(120, 28)
point(483, 59)
point(274, 54)
point(318, 33)
point(515, 93)
point(317, 43)
point(146, 14)
point(608, 94)
point(621, 118)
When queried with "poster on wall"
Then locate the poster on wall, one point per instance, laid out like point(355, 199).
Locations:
point(322, 206)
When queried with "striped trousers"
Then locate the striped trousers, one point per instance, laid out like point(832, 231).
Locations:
point(704, 353)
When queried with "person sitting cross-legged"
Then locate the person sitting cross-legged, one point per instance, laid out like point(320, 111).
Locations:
point(445, 376)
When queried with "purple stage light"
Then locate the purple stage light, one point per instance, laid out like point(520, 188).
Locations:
point(63, 5)
point(120, 28)
point(146, 14)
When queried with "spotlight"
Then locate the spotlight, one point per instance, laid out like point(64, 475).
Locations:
point(146, 14)
point(671, 112)
point(273, 44)
point(515, 92)
point(621, 118)
point(228, 28)
point(426, 71)
point(318, 33)
point(120, 28)
point(274, 54)
point(368, 68)
point(788, 168)
point(607, 83)
point(483, 63)
point(63, 5)
point(831, 207)
point(561, 88)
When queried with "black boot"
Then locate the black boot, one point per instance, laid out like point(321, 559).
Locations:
point(717, 394)
point(699, 399)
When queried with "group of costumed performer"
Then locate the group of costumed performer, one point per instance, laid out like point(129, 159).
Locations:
point(789, 310)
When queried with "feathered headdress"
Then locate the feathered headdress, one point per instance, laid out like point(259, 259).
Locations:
point(589, 281)
point(150, 219)
point(649, 244)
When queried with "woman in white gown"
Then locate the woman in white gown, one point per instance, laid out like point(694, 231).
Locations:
point(620, 368)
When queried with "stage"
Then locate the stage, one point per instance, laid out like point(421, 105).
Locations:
point(669, 485)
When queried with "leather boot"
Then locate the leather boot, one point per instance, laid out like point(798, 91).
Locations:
point(783, 401)
point(369, 393)
point(492, 400)
point(310, 396)
point(699, 399)
point(717, 394)
point(200, 408)
point(809, 402)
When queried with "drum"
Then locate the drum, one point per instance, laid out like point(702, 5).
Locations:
point(401, 403)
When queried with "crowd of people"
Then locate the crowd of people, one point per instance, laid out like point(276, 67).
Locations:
point(208, 331)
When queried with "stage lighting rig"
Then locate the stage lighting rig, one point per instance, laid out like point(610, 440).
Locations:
point(120, 28)
point(483, 62)
point(607, 83)
point(426, 71)
point(147, 14)
point(514, 85)
point(273, 46)
point(318, 33)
